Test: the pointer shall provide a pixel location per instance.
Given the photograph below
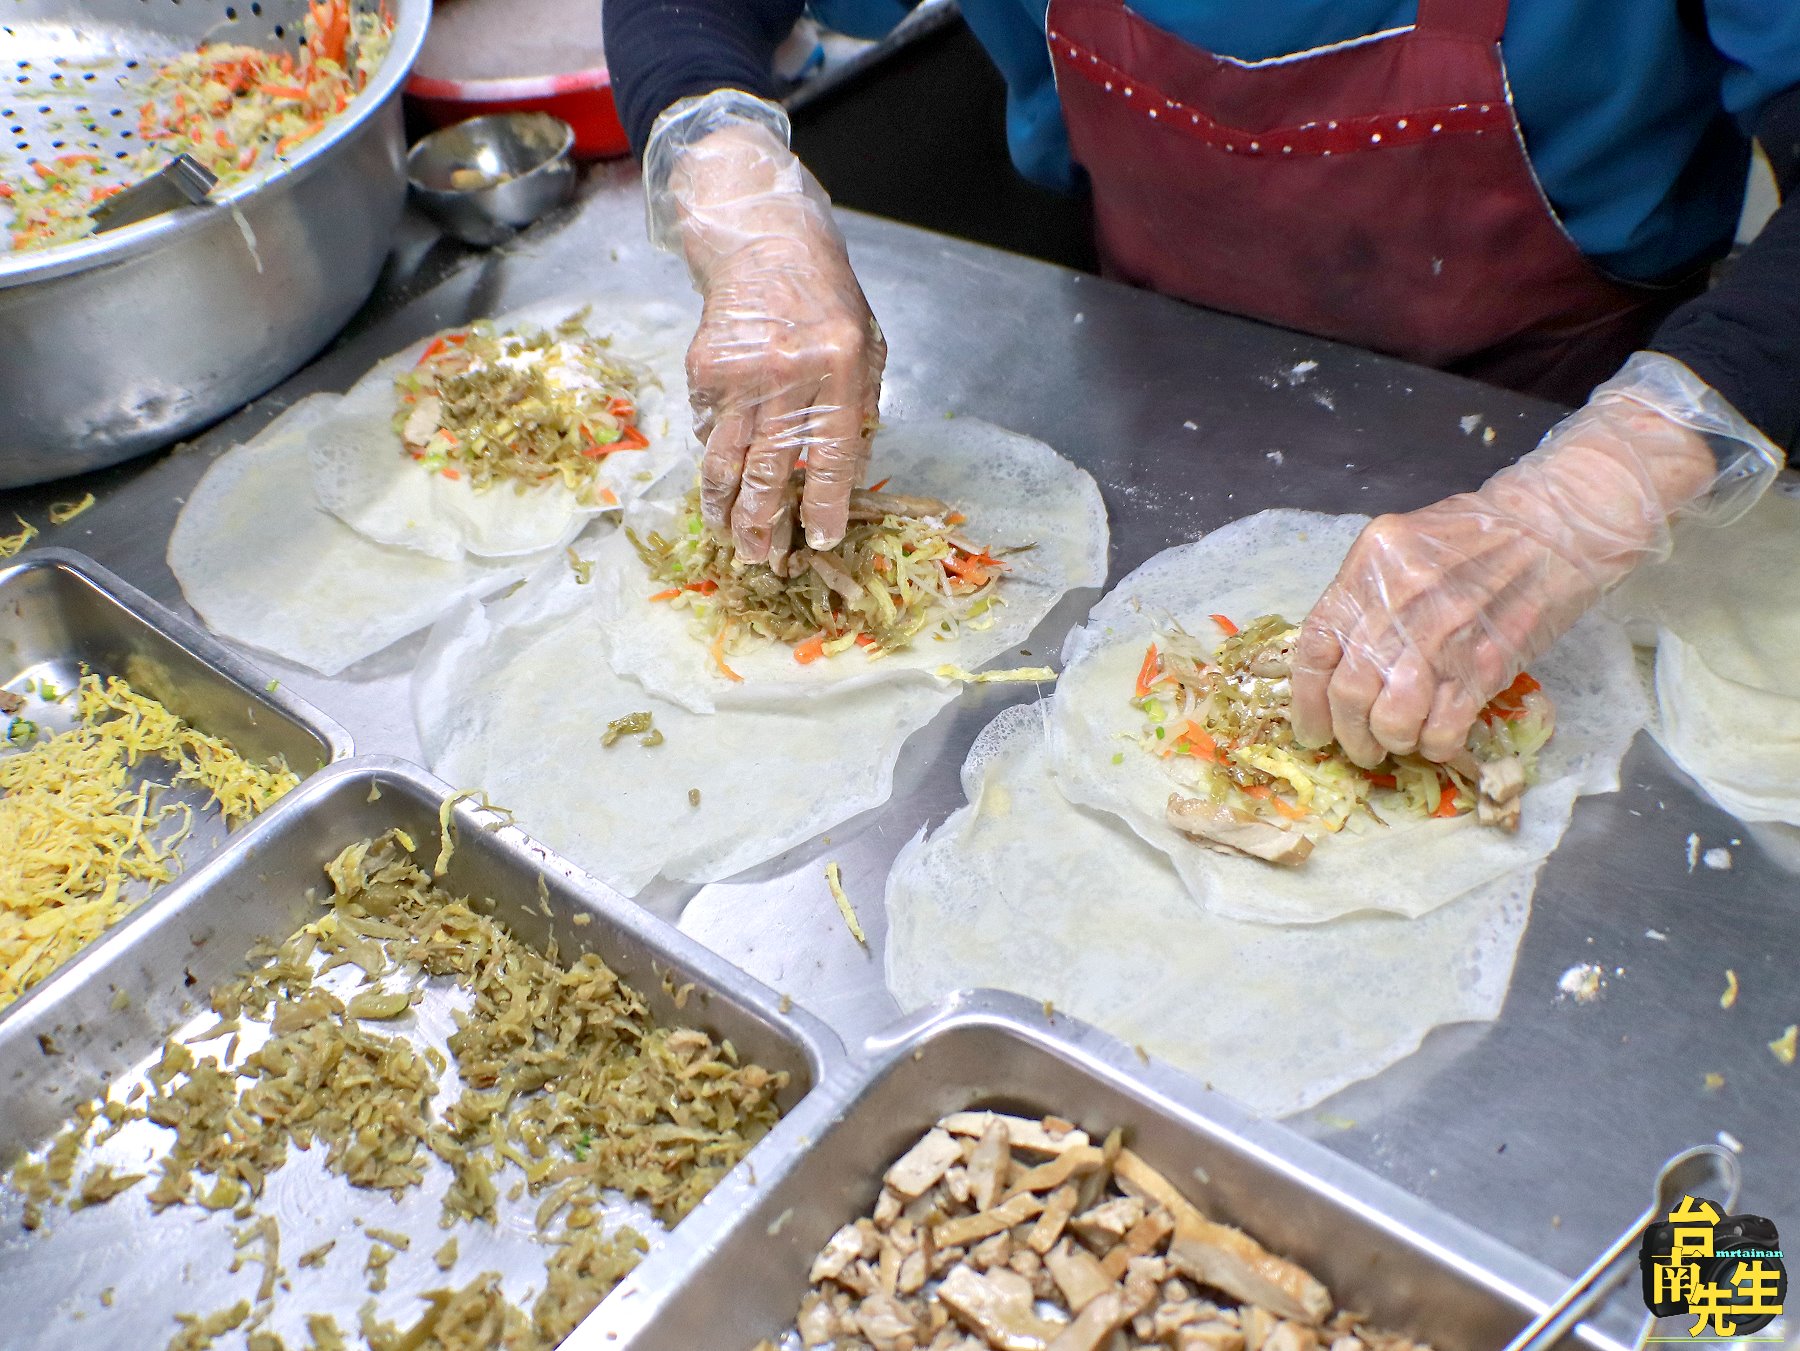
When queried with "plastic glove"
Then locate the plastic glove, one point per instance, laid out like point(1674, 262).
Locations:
point(788, 359)
point(1435, 611)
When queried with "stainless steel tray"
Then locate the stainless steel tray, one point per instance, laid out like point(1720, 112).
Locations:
point(1411, 1268)
point(61, 612)
point(106, 1019)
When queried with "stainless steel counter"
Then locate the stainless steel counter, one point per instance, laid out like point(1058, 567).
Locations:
point(1543, 1129)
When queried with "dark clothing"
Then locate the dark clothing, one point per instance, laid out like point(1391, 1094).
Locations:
point(1742, 337)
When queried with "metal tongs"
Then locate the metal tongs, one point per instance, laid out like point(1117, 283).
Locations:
point(1705, 1170)
point(183, 181)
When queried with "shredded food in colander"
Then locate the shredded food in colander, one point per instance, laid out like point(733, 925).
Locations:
point(235, 109)
point(900, 569)
point(528, 404)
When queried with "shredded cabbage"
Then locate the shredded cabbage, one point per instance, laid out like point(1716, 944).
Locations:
point(890, 580)
point(528, 404)
point(233, 108)
point(1219, 720)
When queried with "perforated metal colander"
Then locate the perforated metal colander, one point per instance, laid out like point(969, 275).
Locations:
point(123, 342)
point(73, 85)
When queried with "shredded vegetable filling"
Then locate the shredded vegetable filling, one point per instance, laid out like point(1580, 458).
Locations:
point(901, 569)
point(1219, 720)
point(569, 1089)
point(528, 404)
point(75, 830)
point(233, 108)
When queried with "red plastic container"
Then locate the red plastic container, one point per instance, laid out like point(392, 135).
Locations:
point(583, 99)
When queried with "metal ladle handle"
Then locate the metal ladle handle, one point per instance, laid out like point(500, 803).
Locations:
point(1709, 1167)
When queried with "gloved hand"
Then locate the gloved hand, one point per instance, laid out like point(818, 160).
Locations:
point(788, 359)
point(1435, 611)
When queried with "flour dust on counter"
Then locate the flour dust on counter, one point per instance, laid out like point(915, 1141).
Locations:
point(518, 699)
point(1023, 890)
point(1383, 852)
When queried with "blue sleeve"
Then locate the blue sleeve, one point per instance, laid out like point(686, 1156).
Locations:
point(1760, 41)
point(1743, 336)
point(860, 18)
point(659, 51)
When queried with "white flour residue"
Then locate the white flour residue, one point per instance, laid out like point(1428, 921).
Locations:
point(1719, 860)
point(243, 225)
point(1583, 982)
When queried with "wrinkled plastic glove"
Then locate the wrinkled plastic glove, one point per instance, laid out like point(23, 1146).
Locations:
point(1434, 612)
point(787, 361)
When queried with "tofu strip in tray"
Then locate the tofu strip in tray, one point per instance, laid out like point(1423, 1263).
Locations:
point(998, 1231)
point(401, 1093)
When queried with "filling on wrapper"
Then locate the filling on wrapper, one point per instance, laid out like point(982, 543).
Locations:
point(693, 797)
point(1218, 718)
point(565, 1089)
point(264, 565)
point(997, 1231)
point(981, 533)
point(1724, 618)
point(900, 569)
point(1023, 891)
point(83, 839)
point(233, 108)
point(502, 438)
point(524, 404)
point(1278, 563)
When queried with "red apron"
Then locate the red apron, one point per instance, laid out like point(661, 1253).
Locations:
point(1375, 191)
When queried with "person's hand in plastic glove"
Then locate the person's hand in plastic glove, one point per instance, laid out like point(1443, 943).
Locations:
point(787, 361)
point(1435, 611)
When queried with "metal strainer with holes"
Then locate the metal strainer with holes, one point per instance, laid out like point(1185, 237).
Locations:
point(118, 344)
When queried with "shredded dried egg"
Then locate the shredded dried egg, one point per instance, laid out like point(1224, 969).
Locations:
point(75, 831)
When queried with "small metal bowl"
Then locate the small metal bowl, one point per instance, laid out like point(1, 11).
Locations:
point(486, 179)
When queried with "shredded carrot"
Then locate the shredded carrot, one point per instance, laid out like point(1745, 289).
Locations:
point(670, 594)
point(811, 650)
point(450, 473)
point(718, 655)
point(864, 640)
point(967, 569)
point(877, 487)
point(956, 518)
point(1510, 702)
point(1224, 623)
point(1384, 781)
point(1446, 800)
point(609, 497)
point(1198, 740)
point(1148, 672)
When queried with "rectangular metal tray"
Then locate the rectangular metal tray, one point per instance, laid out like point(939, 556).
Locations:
point(106, 1018)
point(1378, 1250)
point(61, 613)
